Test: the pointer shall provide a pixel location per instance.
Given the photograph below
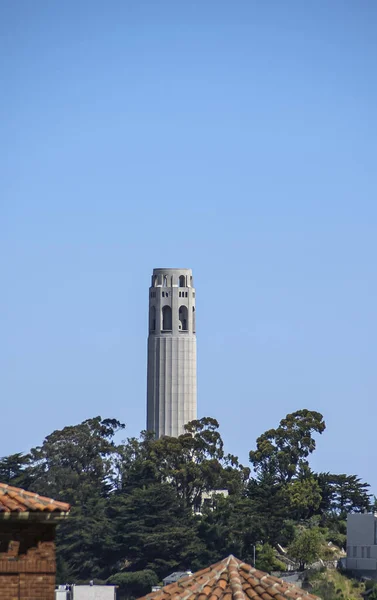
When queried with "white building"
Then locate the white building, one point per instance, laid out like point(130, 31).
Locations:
point(171, 382)
point(86, 592)
point(362, 543)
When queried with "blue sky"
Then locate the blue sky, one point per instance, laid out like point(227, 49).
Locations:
point(235, 138)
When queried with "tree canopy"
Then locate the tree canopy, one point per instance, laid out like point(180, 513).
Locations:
point(143, 508)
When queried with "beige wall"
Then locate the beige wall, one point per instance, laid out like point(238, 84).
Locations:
point(171, 381)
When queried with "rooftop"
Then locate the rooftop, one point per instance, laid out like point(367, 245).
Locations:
point(230, 579)
point(18, 502)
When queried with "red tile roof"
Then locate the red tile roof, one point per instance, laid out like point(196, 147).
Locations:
point(17, 500)
point(230, 579)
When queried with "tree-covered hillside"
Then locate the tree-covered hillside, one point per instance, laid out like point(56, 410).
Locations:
point(138, 511)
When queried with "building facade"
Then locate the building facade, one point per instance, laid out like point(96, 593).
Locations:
point(171, 381)
point(362, 543)
point(27, 544)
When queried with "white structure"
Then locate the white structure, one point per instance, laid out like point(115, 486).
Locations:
point(362, 543)
point(171, 393)
point(86, 592)
point(207, 498)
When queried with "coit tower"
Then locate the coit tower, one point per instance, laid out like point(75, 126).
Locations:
point(171, 384)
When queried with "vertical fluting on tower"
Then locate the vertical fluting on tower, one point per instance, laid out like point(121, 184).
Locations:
point(171, 381)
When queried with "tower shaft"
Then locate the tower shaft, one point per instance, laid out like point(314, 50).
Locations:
point(171, 383)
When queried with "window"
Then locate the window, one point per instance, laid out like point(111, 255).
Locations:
point(166, 319)
point(193, 320)
point(163, 294)
point(165, 281)
point(183, 318)
point(368, 551)
point(362, 551)
point(182, 281)
point(193, 294)
point(354, 551)
point(186, 294)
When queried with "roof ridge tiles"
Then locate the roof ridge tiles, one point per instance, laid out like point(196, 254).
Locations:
point(230, 579)
point(14, 499)
point(235, 579)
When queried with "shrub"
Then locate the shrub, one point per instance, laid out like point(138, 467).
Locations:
point(134, 584)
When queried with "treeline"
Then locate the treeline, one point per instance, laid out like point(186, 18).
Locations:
point(138, 510)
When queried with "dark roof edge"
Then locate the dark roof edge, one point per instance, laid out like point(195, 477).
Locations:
point(40, 516)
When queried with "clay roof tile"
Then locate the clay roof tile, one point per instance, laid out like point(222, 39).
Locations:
point(14, 500)
point(230, 579)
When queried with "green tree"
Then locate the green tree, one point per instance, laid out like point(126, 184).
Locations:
point(304, 497)
point(15, 470)
point(229, 526)
point(343, 494)
point(270, 504)
point(78, 465)
point(193, 462)
point(306, 547)
point(76, 462)
point(82, 542)
point(133, 503)
point(136, 463)
point(266, 559)
point(133, 584)
point(283, 452)
point(152, 529)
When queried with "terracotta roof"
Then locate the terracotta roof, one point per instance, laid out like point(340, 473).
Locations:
point(230, 579)
point(17, 500)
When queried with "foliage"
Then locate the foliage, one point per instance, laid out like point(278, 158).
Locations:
point(133, 584)
point(333, 585)
point(192, 463)
point(269, 503)
point(283, 452)
point(371, 585)
point(138, 509)
point(73, 462)
point(151, 530)
point(230, 527)
point(266, 559)
point(343, 494)
point(14, 470)
point(306, 547)
point(304, 497)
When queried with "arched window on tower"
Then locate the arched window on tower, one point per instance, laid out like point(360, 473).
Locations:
point(182, 281)
point(152, 319)
point(193, 320)
point(183, 320)
point(155, 281)
point(165, 281)
point(166, 318)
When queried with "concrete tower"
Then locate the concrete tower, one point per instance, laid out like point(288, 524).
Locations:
point(171, 394)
